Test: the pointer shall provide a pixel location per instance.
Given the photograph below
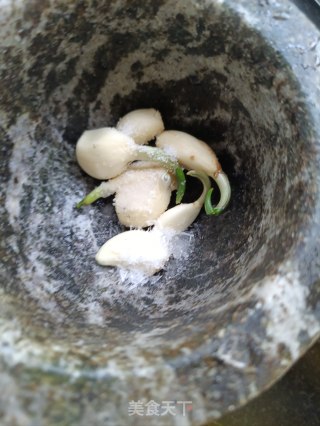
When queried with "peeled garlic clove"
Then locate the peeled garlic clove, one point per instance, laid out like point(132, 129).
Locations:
point(180, 217)
point(195, 154)
point(137, 249)
point(148, 251)
point(191, 152)
point(105, 153)
point(142, 196)
point(147, 165)
point(142, 125)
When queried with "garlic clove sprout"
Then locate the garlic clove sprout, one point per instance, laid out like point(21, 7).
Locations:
point(105, 153)
point(104, 190)
point(194, 154)
point(180, 217)
point(144, 165)
point(142, 125)
point(225, 192)
point(136, 249)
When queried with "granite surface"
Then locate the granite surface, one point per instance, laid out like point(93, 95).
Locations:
point(78, 342)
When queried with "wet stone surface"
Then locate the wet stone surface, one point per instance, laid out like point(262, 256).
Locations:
point(234, 313)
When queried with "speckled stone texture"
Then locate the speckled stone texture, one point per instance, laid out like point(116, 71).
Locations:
point(78, 341)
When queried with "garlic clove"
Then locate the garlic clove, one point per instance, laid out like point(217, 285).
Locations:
point(142, 125)
point(180, 217)
point(105, 153)
point(195, 154)
point(192, 153)
point(148, 251)
point(144, 194)
point(136, 249)
point(143, 165)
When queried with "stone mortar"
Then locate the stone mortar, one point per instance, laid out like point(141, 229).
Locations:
point(77, 341)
